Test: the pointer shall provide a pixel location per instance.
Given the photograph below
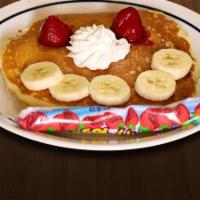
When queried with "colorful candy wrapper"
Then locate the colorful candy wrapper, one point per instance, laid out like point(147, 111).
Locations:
point(131, 120)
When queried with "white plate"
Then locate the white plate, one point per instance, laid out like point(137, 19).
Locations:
point(23, 13)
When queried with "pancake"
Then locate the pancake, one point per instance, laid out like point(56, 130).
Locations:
point(24, 50)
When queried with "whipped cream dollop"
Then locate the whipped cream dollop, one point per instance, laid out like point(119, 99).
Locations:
point(96, 47)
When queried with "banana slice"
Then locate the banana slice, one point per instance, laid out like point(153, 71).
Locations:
point(176, 62)
point(71, 88)
point(41, 75)
point(155, 85)
point(109, 90)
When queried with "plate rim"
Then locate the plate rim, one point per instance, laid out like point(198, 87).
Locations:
point(58, 2)
point(61, 142)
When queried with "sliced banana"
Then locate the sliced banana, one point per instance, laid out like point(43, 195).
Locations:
point(176, 62)
point(71, 88)
point(41, 75)
point(109, 90)
point(155, 85)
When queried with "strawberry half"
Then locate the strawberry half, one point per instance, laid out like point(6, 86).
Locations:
point(54, 32)
point(127, 24)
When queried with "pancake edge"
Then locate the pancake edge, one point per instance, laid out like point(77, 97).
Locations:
point(33, 101)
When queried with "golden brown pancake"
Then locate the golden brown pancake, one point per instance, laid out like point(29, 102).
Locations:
point(25, 50)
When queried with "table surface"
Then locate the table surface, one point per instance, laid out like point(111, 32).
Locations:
point(30, 170)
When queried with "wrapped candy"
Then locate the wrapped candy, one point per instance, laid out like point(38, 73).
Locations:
point(101, 120)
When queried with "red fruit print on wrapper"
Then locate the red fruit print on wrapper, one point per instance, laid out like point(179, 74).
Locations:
point(197, 110)
point(131, 118)
point(54, 32)
point(34, 122)
point(68, 121)
point(95, 121)
point(182, 114)
point(113, 121)
point(196, 114)
point(163, 119)
point(147, 119)
point(127, 24)
point(154, 118)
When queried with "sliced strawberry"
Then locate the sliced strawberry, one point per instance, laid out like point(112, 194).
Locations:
point(131, 117)
point(127, 24)
point(54, 32)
